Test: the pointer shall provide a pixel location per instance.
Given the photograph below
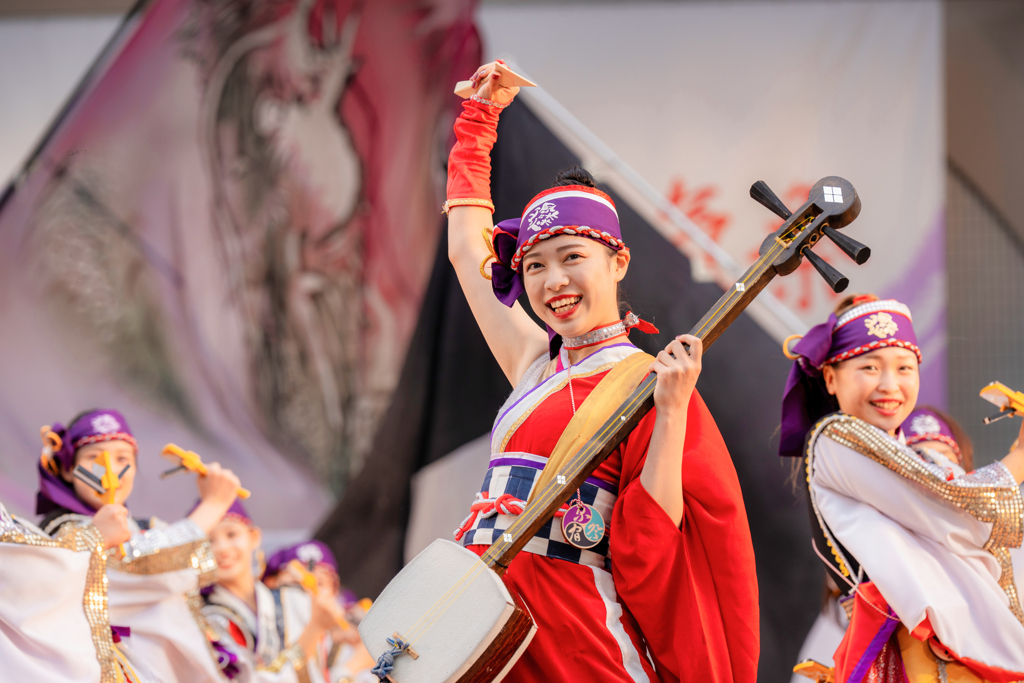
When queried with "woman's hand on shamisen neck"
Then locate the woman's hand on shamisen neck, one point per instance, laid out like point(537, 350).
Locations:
point(677, 369)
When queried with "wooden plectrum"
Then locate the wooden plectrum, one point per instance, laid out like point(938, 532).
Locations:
point(506, 77)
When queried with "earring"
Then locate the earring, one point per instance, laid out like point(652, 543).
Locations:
point(49, 465)
point(52, 443)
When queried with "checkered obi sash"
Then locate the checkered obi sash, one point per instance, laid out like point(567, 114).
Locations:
point(507, 486)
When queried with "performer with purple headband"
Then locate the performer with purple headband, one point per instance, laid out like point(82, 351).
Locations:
point(939, 438)
point(658, 584)
point(81, 443)
point(922, 558)
point(151, 577)
point(312, 553)
point(345, 657)
point(259, 634)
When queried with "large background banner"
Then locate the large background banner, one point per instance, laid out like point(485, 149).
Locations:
point(703, 98)
point(227, 236)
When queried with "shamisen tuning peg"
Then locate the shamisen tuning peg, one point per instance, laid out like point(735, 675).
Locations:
point(506, 77)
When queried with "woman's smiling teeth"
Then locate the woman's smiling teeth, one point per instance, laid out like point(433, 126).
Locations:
point(560, 306)
point(889, 405)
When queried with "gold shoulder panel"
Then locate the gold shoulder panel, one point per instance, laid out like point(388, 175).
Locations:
point(167, 548)
point(196, 555)
point(94, 600)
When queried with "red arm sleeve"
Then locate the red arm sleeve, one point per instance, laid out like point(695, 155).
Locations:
point(692, 591)
point(469, 163)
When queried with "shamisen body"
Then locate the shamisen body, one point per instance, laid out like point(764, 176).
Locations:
point(918, 546)
point(665, 590)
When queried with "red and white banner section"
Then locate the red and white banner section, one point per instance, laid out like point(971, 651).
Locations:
point(703, 99)
point(227, 236)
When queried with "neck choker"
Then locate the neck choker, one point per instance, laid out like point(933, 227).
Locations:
point(603, 334)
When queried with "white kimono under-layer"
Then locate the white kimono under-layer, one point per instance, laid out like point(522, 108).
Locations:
point(263, 665)
point(45, 636)
point(927, 556)
point(154, 591)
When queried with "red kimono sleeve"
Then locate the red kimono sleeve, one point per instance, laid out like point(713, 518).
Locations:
point(693, 591)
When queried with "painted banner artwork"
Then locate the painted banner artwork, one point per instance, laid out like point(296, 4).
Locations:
point(227, 236)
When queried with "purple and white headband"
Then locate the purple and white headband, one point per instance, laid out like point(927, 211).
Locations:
point(313, 551)
point(59, 446)
point(564, 210)
point(864, 328)
point(925, 425)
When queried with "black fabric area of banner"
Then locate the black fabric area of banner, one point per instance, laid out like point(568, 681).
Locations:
point(451, 389)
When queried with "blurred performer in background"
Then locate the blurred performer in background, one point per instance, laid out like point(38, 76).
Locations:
point(262, 634)
point(152, 579)
point(315, 556)
point(342, 651)
point(50, 630)
point(920, 548)
point(669, 593)
point(939, 439)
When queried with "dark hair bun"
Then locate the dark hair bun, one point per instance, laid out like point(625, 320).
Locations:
point(575, 175)
point(851, 300)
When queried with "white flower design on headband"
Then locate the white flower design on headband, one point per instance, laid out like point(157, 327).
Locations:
point(925, 424)
point(881, 325)
point(309, 553)
point(105, 424)
point(542, 217)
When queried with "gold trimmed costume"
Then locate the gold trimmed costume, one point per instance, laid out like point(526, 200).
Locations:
point(932, 547)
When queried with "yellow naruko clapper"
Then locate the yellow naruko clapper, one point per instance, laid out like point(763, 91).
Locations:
point(110, 481)
point(1003, 396)
point(191, 461)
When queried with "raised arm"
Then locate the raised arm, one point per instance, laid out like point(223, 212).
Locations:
point(1015, 460)
point(514, 339)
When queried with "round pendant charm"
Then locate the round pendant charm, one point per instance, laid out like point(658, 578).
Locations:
point(583, 527)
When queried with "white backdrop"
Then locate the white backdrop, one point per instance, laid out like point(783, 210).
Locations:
point(703, 99)
point(41, 62)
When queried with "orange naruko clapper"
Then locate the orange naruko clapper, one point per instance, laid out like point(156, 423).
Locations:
point(1003, 396)
point(111, 482)
point(191, 461)
point(815, 671)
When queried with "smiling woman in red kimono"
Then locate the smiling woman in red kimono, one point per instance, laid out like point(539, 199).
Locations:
point(669, 592)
